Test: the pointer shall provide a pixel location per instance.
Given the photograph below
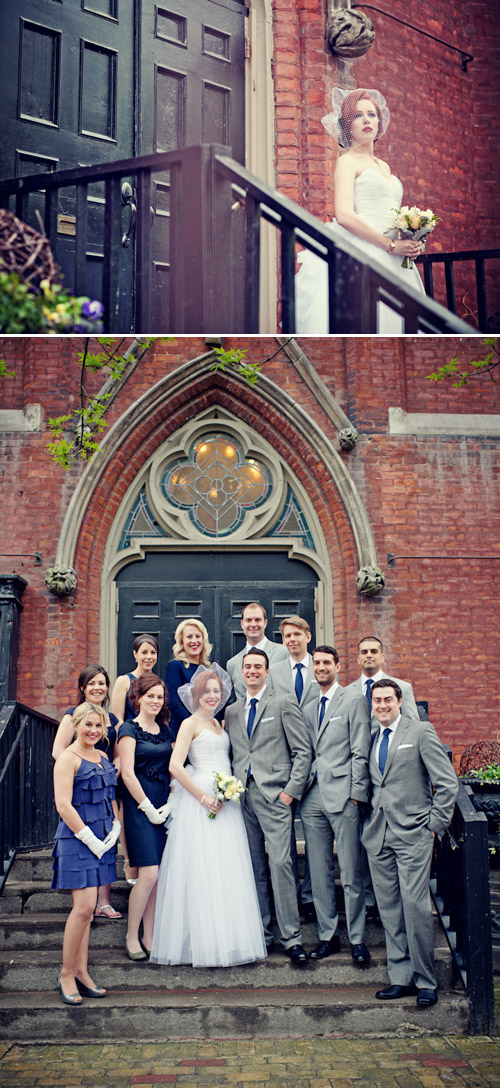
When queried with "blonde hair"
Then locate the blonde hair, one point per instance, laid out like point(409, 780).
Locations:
point(82, 711)
point(178, 649)
point(297, 621)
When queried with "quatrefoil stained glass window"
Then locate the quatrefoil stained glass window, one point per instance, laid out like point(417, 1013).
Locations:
point(216, 483)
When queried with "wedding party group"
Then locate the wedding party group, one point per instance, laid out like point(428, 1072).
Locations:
point(202, 776)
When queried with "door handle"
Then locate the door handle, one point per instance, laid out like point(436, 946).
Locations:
point(127, 195)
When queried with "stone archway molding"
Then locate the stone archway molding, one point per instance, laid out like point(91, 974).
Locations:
point(175, 385)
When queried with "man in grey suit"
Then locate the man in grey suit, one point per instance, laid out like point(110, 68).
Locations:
point(339, 730)
point(295, 674)
point(371, 658)
point(271, 755)
point(407, 763)
point(253, 624)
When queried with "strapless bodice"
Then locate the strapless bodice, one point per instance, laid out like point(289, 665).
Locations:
point(376, 198)
point(209, 752)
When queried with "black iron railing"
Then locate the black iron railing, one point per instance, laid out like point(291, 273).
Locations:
point(448, 261)
point(216, 209)
point(460, 889)
point(27, 813)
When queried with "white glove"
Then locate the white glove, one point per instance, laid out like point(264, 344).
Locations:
point(96, 845)
point(153, 814)
point(113, 835)
point(165, 809)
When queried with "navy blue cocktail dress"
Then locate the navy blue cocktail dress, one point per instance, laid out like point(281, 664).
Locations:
point(146, 841)
point(74, 865)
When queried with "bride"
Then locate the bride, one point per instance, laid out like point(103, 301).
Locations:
point(367, 196)
point(207, 911)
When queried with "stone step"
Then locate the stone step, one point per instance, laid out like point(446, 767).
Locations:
point(21, 971)
point(154, 1015)
point(35, 896)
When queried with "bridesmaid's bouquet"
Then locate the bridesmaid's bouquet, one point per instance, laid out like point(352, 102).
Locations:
point(227, 788)
point(413, 223)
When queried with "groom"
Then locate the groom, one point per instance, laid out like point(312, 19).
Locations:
point(272, 757)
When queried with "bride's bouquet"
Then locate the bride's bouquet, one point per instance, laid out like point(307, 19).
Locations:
point(227, 788)
point(413, 223)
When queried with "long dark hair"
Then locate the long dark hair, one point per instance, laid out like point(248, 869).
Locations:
point(140, 685)
point(139, 639)
point(87, 674)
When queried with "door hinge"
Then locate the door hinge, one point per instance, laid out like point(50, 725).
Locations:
point(248, 49)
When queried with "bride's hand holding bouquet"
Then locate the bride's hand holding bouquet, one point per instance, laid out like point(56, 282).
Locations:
point(413, 223)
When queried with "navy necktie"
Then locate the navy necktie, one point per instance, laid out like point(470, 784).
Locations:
point(367, 692)
point(383, 750)
point(251, 716)
point(322, 706)
point(299, 682)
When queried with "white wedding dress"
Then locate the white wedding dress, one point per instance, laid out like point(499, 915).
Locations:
point(207, 912)
point(376, 199)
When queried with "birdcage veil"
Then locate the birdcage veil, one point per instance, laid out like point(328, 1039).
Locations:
point(338, 121)
point(190, 693)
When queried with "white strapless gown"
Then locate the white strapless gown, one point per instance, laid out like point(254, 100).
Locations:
point(375, 200)
point(207, 912)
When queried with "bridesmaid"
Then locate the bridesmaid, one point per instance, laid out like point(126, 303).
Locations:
point(191, 649)
point(93, 687)
point(84, 791)
point(145, 650)
point(145, 745)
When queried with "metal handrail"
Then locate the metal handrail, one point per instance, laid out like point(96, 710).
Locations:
point(27, 812)
point(461, 894)
point(215, 251)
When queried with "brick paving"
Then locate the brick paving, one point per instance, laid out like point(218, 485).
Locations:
point(426, 1062)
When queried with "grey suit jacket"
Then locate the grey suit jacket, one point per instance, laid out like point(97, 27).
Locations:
point(341, 748)
point(278, 751)
point(275, 652)
point(281, 679)
point(403, 797)
point(408, 706)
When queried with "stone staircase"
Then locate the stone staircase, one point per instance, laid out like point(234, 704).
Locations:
point(151, 1002)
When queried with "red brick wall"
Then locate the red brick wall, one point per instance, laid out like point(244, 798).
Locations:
point(425, 496)
point(443, 138)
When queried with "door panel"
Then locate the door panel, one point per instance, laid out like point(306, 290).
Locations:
point(156, 594)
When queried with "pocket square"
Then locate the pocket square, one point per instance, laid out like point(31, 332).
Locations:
point(271, 719)
point(336, 718)
point(406, 746)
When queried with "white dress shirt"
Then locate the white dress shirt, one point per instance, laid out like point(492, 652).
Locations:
point(393, 726)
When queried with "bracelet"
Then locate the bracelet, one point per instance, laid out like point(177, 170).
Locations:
point(392, 246)
point(202, 802)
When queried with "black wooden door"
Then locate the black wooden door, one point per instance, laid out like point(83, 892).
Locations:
point(191, 92)
point(156, 594)
point(90, 81)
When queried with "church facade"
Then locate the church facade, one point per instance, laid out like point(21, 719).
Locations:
point(344, 485)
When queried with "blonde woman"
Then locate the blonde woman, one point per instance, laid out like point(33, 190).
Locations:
point(191, 648)
point(83, 856)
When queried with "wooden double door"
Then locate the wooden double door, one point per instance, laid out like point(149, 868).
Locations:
point(154, 595)
point(91, 81)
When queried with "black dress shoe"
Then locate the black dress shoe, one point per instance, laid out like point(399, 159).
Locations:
point(326, 948)
point(426, 998)
point(392, 992)
point(297, 953)
point(360, 955)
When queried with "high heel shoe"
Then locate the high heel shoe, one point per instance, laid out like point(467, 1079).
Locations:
point(135, 955)
point(145, 949)
point(68, 999)
point(89, 991)
point(127, 866)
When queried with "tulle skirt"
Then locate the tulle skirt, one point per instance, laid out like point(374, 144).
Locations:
point(311, 287)
point(207, 912)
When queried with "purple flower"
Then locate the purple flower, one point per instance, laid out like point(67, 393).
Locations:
point(94, 310)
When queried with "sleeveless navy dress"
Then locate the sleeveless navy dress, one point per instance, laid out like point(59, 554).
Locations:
point(146, 841)
point(74, 865)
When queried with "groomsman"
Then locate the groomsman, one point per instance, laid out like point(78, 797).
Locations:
point(272, 757)
point(414, 792)
point(253, 624)
point(371, 658)
point(339, 730)
point(294, 676)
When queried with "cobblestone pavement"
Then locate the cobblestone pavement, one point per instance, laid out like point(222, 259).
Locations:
point(427, 1062)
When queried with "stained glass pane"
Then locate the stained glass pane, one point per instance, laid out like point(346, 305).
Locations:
point(217, 484)
point(293, 522)
point(140, 522)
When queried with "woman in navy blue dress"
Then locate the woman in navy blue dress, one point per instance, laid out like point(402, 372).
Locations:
point(83, 856)
point(145, 745)
point(93, 687)
point(191, 649)
point(145, 650)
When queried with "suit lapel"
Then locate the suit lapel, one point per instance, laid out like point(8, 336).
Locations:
point(332, 708)
point(398, 739)
point(261, 706)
